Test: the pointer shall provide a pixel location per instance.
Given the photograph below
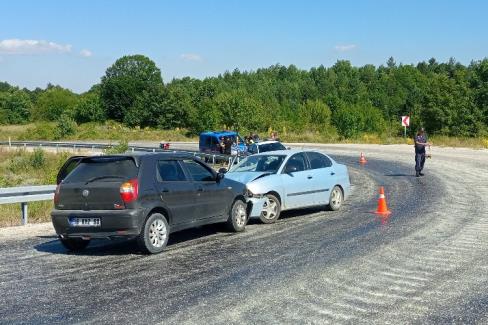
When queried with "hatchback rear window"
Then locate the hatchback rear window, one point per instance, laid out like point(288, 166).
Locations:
point(103, 169)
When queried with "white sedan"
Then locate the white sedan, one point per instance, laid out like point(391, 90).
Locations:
point(291, 179)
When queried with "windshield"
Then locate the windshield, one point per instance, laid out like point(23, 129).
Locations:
point(271, 147)
point(103, 169)
point(259, 163)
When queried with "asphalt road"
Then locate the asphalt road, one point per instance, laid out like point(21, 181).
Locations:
point(426, 263)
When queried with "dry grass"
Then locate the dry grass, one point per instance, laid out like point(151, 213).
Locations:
point(20, 167)
point(10, 214)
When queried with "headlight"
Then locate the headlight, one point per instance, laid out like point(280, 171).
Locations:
point(250, 194)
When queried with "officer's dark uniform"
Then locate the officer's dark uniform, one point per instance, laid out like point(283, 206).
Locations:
point(419, 153)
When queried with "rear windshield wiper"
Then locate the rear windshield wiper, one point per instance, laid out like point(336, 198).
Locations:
point(102, 177)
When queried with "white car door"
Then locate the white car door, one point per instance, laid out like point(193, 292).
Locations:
point(297, 182)
point(323, 177)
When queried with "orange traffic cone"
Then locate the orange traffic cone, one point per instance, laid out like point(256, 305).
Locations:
point(362, 159)
point(382, 207)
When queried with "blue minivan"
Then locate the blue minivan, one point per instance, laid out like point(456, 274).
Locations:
point(210, 142)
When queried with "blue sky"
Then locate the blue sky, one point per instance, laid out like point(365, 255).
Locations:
point(72, 43)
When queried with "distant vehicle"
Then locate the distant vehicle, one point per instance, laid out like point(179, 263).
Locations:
point(145, 196)
point(291, 179)
point(164, 145)
point(210, 142)
point(265, 146)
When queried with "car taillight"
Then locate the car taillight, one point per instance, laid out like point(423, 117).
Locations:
point(56, 195)
point(129, 191)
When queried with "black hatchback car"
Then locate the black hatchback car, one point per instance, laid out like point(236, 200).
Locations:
point(142, 195)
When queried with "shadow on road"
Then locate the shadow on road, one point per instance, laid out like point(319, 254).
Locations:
point(400, 175)
point(107, 247)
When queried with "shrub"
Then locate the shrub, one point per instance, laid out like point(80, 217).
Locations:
point(122, 147)
point(65, 126)
point(37, 159)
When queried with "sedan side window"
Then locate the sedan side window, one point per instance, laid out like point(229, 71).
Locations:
point(318, 160)
point(296, 163)
point(170, 171)
point(198, 172)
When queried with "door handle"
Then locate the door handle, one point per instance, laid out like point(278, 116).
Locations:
point(165, 190)
point(332, 173)
point(309, 176)
point(200, 189)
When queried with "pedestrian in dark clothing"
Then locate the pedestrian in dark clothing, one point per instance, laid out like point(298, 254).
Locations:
point(255, 137)
point(221, 145)
point(227, 146)
point(420, 144)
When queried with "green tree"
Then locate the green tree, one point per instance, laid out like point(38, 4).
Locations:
point(54, 102)
point(15, 107)
point(124, 81)
point(89, 109)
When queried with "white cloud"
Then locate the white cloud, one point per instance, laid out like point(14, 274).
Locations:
point(86, 53)
point(191, 57)
point(345, 47)
point(18, 46)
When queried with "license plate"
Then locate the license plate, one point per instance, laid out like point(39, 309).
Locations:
point(85, 222)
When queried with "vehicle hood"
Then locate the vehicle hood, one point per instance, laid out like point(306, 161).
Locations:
point(245, 177)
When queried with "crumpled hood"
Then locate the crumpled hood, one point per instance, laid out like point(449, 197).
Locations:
point(244, 177)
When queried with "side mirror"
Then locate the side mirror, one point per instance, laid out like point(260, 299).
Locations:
point(288, 148)
point(222, 170)
point(219, 177)
point(290, 169)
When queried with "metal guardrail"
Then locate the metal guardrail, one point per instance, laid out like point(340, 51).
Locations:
point(25, 194)
point(209, 157)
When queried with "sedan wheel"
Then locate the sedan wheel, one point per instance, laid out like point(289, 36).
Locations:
point(271, 209)
point(336, 198)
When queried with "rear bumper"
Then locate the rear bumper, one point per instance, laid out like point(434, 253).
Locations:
point(113, 223)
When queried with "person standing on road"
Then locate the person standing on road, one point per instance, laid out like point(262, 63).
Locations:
point(420, 144)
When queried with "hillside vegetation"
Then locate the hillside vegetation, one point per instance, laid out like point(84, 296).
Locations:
point(326, 104)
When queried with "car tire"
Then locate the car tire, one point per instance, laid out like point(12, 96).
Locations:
point(237, 216)
point(336, 198)
point(154, 234)
point(74, 244)
point(271, 210)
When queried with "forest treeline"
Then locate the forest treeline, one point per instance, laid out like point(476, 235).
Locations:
point(446, 98)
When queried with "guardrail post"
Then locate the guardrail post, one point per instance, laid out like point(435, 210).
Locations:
point(132, 149)
point(23, 206)
point(213, 159)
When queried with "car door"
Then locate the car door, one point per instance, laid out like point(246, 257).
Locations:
point(212, 197)
point(297, 182)
point(322, 180)
point(176, 190)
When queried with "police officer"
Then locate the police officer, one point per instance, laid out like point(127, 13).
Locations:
point(420, 144)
